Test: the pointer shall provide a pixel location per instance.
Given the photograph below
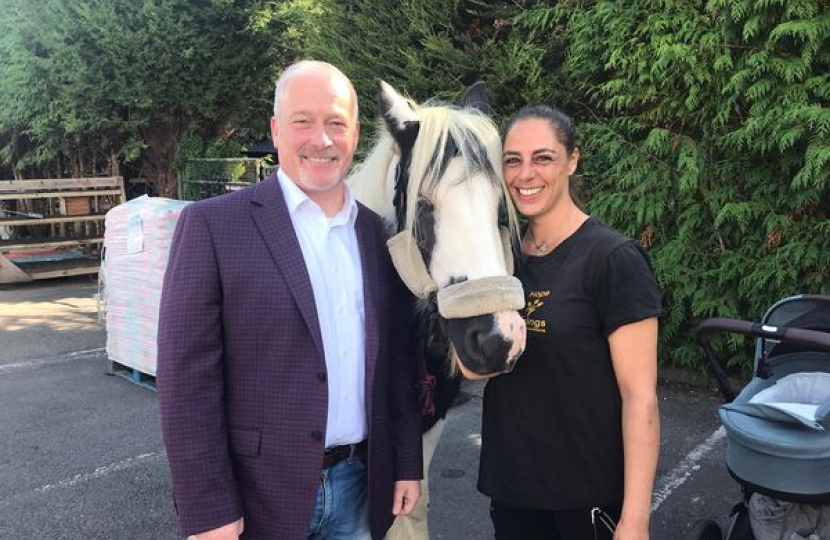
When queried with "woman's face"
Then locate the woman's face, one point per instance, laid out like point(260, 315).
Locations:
point(536, 166)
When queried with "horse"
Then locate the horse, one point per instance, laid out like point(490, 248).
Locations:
point(434, 176)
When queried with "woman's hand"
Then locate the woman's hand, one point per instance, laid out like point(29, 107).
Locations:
point(627, 530)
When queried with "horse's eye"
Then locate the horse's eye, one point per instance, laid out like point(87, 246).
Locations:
point(425, 228)
point(425, 211)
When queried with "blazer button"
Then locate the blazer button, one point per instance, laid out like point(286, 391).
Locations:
point(321, 375)
point(317, 435)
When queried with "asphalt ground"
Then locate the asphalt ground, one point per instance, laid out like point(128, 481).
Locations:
point(81, 456)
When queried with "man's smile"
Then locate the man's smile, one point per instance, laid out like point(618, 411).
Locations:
point(321, 160)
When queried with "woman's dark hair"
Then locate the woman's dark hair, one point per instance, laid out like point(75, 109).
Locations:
point(564, 129)
point(561, 123)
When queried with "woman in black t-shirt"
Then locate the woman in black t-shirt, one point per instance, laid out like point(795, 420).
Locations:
point(570, 438)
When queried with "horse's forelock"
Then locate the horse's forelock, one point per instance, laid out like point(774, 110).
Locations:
point(476, 138)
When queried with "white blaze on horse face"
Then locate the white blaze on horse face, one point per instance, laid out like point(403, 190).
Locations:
point(467, 240)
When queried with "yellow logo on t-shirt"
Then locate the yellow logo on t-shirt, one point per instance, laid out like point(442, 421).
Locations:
point(536, 299)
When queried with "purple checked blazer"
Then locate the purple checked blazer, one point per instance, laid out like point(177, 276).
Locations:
point(241, 375)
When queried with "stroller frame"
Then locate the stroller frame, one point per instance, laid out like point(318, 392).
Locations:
point(782, 333)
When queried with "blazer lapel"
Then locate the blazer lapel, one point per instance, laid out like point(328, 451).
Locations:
point(366, 242)
point(274, 223)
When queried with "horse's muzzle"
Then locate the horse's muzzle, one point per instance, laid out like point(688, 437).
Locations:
point(488, 344)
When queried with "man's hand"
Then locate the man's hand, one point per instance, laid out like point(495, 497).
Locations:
point(231, 531)
point(407, 493)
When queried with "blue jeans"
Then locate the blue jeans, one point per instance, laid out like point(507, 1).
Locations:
point(341, 510)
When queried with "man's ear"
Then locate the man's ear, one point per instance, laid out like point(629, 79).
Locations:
point(274, 130)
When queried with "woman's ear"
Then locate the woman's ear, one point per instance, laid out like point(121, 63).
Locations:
point(574, 161)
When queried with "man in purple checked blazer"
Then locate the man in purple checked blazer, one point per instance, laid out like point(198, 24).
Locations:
point(286, 385)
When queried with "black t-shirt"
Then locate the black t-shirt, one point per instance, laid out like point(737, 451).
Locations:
point(551, 429)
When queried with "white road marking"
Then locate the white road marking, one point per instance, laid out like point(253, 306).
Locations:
point(101, 472)
point(685, 468)
point(32, 364)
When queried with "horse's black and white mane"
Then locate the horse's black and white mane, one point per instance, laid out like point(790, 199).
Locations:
point(432, 154)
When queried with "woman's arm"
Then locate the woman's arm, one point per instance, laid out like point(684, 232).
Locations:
point(634, 356)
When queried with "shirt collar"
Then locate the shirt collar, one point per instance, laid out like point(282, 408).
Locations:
point(296, 197)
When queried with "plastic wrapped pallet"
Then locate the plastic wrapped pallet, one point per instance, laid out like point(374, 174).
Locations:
point(136, 246)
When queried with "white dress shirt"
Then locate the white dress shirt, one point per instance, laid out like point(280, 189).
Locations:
point(332, 257)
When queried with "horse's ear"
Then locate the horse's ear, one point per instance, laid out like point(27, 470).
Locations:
point(476, 98)
point(396, 112)
point(403, 124)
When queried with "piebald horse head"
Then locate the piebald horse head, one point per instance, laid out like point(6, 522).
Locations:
point(435, 177)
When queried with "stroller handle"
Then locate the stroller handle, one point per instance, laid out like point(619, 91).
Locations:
point(800, 336)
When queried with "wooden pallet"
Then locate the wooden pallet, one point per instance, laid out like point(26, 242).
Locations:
point(144, 380)
point(54, 215)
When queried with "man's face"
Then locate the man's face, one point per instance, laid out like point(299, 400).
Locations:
point(315, 131)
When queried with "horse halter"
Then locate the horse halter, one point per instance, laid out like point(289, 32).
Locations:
point(460, 300)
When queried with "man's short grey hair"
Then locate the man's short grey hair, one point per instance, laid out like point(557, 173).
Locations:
point(310, 66)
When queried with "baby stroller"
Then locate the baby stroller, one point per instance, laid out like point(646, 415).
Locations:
point(778, 426)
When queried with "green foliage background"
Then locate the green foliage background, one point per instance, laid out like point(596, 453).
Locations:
point(705, 125)
point(707, 134)
point(89, 85)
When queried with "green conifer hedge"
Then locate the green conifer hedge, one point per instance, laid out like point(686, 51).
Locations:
point(705, 126)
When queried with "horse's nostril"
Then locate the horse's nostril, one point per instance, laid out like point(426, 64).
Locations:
point(475, 343)
point(487, 345)
point(479, 343)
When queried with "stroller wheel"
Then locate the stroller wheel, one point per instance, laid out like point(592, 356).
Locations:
point(704, 529)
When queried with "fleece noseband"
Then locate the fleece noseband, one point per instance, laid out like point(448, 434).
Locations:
point(460, 300)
